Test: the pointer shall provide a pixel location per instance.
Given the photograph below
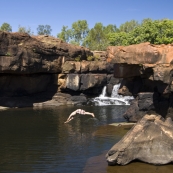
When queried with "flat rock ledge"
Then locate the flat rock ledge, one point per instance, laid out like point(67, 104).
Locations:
point(149, 141)
point(122, 124)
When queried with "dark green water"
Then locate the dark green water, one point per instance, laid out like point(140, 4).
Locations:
point(37, 140)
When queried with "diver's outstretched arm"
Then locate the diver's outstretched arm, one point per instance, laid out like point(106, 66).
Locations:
point(71, 116)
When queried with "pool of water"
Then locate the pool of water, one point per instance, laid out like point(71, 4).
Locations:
point(37, 140)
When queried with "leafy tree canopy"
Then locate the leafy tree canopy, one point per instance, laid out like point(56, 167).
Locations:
point(23, 29)
point(128, 26)
point(100, 36)
point(76, 34)
point(153, 31)
point(79, 34)
point(44, 30)
point(79, 31)
point(97, 38)
point(6, 27)
point(65, 34)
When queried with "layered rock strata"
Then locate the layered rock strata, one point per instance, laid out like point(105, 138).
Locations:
point(35, 70)
point(147, 71)
point(23, 54)
point(44, 65)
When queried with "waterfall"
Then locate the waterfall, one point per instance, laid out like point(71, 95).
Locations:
point(103, 94)
point(115, 98)
point(115, 90)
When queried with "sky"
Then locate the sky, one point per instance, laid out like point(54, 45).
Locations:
point(56, 13)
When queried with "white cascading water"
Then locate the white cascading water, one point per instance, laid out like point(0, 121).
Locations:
point(115, 98)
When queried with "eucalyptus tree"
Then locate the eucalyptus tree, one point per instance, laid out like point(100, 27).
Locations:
point(76, 34)
point(79, 31)
point(44, 30)
point(97, 38)
point(65, 34)
point(6, 27)
point(128, 26)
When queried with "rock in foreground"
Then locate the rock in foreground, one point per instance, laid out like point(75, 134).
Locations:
point(150, 141)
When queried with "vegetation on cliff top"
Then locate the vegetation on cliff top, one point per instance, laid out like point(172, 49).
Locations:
point(132, 32)
point(100, 36)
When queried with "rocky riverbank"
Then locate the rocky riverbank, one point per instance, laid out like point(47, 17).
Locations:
point(43, 70)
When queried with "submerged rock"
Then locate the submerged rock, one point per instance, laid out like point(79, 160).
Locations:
point(150, 141)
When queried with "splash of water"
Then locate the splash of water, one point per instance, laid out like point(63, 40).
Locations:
point(115, 98)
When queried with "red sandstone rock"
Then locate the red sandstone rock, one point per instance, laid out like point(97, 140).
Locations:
point(144, 53)
point(142, 59)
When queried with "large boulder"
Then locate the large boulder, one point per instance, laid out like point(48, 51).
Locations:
point(149, 102)
point(133, 114)
point(150, 141)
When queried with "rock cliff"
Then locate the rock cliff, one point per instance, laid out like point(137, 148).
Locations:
point(23, 54)
point(43, 70)
point(146, 70)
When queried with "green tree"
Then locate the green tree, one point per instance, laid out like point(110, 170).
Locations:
point(165, 32)
point(79, 34)
point(22, 29)
point(145, 21)
point(44, 30)
point(110, 29)
point(119, 39)
point(128, 26)
point(79, 31)
point(153, 31)
point(97, 38)
point(6, 27)
point(76, 34)
point(65, 34)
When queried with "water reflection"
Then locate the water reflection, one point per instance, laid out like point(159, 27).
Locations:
point(37, 140)
point(98, 164)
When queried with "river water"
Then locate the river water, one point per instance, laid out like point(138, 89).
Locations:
point(37, 140)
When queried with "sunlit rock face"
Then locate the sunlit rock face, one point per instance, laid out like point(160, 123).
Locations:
point(142, 59)
point(23, 54)
point(150, 141)
point(73, 82)
point(144, 53)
